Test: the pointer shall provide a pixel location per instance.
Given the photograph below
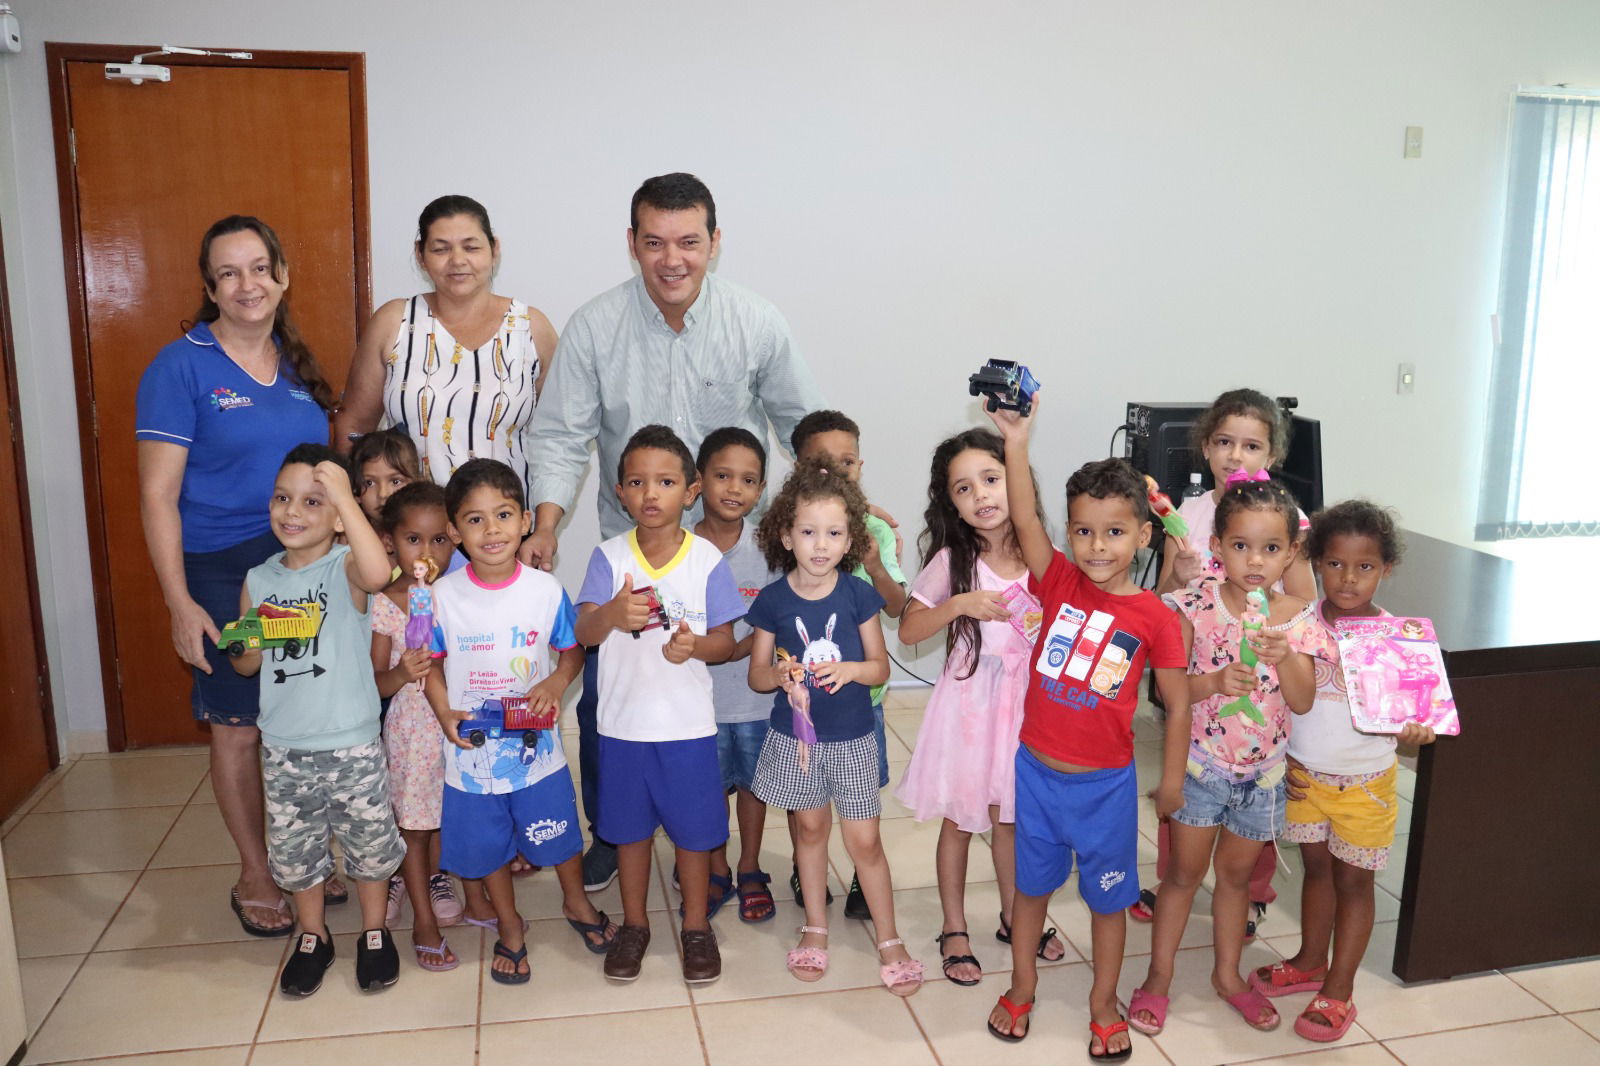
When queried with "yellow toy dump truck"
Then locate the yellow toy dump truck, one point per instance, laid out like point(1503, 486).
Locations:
point(271, 625)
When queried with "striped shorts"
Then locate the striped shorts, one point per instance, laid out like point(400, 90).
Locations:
point(844, 772)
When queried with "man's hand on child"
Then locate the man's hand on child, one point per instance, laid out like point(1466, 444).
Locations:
point(415, 663)
point(1235, 679)
point(1296, 781)
point(1415, 733)
point(981, 604)
point(630, 609)
point(1271, 646)
point(681, 646)
point(450, 721)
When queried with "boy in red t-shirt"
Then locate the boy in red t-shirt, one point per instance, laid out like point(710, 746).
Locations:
point(1076, 791)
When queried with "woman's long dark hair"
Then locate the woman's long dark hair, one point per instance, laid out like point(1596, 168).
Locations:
point(944, 528)
point(302, 363)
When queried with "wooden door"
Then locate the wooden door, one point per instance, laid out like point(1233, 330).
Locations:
point(144, 170)
point(27, 732)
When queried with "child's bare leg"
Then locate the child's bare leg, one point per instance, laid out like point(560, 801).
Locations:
point(694, 878)
point(865, 847)
point(475, 899)
point(752, 822)
point(1316, 907)
point(414, 871)
point(310, 910)
point(1109, 934)
point(373, 897)
point(811, 829)
point(1003, 844)
point(575, 902)
point(1230, 904)
point(950, 861)
point(633, 868)
point(1352, 925)
point(1027, 925)
point(1186, 868)
point(504, 898)
point(433, 852)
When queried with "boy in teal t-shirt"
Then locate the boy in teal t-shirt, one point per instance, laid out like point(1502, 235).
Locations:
point(834, 437)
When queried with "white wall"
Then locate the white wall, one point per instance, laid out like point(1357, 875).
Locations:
point(1145, 201)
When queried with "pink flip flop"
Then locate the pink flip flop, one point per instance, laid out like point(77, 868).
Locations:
point(1254, 1009)
point(1148, 1001)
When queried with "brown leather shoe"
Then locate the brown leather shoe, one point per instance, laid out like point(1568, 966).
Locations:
point(627, 952)
point(702, 962)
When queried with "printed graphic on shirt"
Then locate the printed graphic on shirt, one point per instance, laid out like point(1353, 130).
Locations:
point(281, 613)
point(820, 651)
point(1079, 649)
point(224, 399)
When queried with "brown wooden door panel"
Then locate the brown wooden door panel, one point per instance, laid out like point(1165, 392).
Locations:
point(155, 165)
point(27, 738)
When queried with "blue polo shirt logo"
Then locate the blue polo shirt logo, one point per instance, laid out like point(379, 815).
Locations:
point(227, 400)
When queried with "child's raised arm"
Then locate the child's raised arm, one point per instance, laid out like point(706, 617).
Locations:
point(368, 566)
point(1037, 551)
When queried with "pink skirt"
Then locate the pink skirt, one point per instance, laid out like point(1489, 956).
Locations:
point(964, 761)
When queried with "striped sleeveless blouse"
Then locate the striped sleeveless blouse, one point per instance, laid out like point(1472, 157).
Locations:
point(458, 403)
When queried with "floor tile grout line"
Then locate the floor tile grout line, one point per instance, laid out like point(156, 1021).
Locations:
point(916, 1021)
point(1581, 1029)
point(1275, 1056)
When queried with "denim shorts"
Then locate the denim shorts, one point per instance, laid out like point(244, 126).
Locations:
point(1244, 806)
point(738, 748)
point(224, 697)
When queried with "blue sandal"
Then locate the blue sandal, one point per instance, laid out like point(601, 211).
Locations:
point(603, 927)
point(721, 891)
point(516, 957)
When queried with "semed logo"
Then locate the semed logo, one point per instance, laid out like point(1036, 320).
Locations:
point(546, 830)
point(227, 400)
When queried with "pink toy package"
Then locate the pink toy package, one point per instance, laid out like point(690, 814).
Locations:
point(1394, 674)
point(1027, 613)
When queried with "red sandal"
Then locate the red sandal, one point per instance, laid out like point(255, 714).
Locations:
point(1105, 1033)
point(1337, 1018)
point(1017, 1012)
point(1282, 979)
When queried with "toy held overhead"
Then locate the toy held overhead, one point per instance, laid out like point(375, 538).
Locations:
point(1007, 385)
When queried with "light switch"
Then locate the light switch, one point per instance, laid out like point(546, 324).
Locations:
point(1413, 142)
point(1406, 380)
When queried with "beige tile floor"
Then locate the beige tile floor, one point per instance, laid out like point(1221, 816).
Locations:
point(120, 871)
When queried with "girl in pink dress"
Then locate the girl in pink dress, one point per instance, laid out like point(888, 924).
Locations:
point(973, 584)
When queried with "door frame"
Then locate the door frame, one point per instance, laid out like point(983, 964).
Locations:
point(29, 559)
point(57, 56)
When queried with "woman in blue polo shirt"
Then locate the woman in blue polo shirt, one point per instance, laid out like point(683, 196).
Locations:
point(217, 411)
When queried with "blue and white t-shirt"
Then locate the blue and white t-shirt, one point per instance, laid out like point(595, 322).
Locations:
point(819, 631)
point(237, 430)
point(642, 695)
point(496, 641)
point(730, 682)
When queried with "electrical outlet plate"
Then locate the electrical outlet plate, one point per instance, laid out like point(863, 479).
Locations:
point(1406, 379)
point(1413, 142)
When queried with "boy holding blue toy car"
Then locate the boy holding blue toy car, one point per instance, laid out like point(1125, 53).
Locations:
point(495, 623)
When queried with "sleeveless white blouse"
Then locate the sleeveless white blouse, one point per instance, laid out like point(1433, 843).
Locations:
point(458, 403)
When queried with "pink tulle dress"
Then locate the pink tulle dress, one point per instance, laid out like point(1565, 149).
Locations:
point(412, 738)
point(964, 758)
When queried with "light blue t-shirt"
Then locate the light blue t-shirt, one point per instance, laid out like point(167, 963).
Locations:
point(237, 431)
point(325, 697)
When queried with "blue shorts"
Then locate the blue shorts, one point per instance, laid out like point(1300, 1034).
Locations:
point(478, 833)
point(738, 748)
point(673, 784)
point(1093, 814)
point(883, 748)
point(1239, 804)
point(223, 697)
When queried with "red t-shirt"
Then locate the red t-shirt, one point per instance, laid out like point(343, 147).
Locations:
point(1083, 681)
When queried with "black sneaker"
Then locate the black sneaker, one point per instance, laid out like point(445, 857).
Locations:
point(599, 866)
point(794, 886)
point(377, 962)
point(302, 974)
point(855, 904)
point(1258, 915)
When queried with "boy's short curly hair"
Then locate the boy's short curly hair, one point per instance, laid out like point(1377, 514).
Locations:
point(1356, 518)
point(1106, 479)
point(822, 422)
point(418, 494)
point(810, 481)
point(1270, 495)
point(726, 437)
point(478, 472)
point(312, 453)
point(662, 439)
point(393, 446)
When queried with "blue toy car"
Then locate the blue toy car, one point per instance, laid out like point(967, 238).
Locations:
point(496, 718)
point(1006, 384)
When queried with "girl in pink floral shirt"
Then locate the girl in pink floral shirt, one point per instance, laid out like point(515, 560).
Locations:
point(1234, 792)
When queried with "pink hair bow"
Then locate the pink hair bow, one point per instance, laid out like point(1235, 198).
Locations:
point(1239, 475)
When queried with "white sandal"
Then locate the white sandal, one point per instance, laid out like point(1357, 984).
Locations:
point(809, 964)
point(901, 978)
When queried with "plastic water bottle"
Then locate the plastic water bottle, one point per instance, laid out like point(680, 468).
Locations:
point(1193, 490)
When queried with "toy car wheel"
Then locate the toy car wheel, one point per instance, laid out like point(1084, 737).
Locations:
point(972, 388)
point(236, 649)
point(291, 647)
point(477, 738)
point(530, 739)
point(991, 404)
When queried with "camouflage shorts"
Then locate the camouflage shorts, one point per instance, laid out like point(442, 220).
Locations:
point(312, 795)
